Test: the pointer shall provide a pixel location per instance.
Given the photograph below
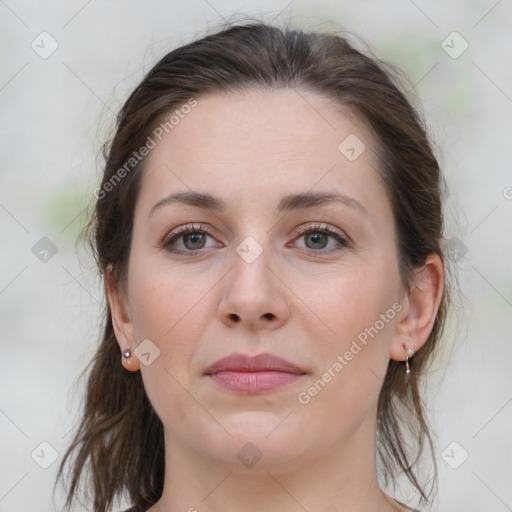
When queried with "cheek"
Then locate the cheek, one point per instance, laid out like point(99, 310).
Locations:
point(171, 308)
point(349, 301)
point(359, 310)
point(352, 354)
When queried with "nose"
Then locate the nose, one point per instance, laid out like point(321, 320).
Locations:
point(253, 297)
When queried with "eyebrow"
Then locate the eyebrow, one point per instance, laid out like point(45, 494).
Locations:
point(287, 203)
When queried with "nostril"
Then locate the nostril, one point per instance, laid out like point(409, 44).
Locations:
point(269, 316)
point(234, 317)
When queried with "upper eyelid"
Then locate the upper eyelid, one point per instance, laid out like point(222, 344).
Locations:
point(320, 226)
point(188, 228)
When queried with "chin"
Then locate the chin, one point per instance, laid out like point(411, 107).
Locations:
point(260, 440)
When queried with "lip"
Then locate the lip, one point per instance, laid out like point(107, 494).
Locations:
point(253, 374)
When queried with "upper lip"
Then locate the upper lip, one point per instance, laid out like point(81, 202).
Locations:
point(258, 363)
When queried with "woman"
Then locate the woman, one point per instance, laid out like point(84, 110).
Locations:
point(269, 230)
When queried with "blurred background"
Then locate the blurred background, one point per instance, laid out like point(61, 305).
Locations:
point(67, 67)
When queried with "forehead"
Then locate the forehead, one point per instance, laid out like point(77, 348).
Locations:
point(255, 144)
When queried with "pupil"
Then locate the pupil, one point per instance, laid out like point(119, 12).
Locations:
point(195, 239)
point(316, 238)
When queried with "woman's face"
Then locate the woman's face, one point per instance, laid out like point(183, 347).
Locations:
point(291, 253)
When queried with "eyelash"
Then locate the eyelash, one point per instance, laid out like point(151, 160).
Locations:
point(326, 230)
point(200, 228)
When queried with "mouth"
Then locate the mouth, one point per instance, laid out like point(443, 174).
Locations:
point(253, 374)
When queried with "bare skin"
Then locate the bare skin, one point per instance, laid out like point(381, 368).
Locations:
point(304, 298)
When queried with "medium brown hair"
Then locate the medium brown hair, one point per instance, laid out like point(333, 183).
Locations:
point(119, 445)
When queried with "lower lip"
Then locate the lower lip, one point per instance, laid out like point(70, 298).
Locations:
point(254, 382)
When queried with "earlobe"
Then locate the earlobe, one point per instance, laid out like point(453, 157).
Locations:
point(121, 321)
point(130, 362)
point(421, 304)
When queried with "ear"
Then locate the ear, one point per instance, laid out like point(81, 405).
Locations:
point(420, 306)
point(121, 321)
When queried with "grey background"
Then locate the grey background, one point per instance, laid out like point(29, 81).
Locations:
point(57, 111)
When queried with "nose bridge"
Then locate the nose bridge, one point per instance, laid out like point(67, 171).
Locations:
point(251, 261)
point(252, 293)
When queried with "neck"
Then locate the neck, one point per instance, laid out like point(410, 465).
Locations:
point(332, 480)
